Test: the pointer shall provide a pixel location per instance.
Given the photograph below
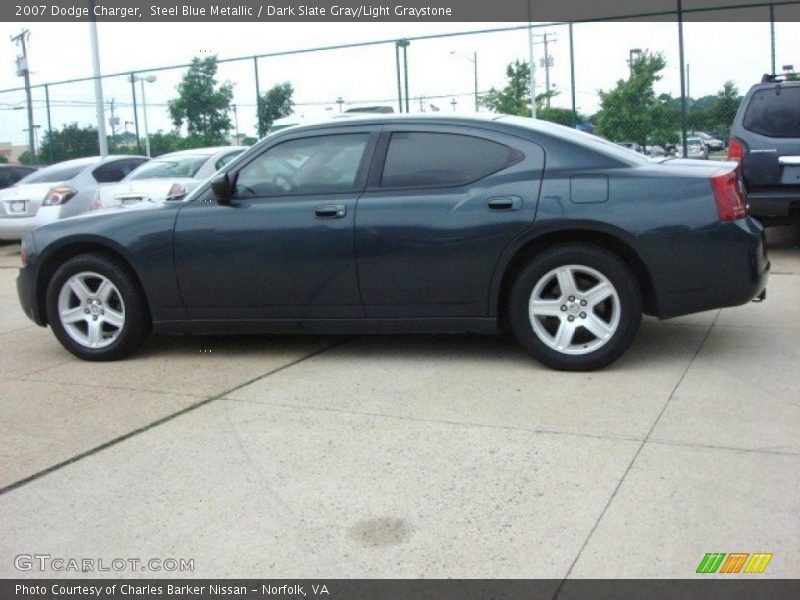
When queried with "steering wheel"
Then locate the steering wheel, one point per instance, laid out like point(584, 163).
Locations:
point(284, 182)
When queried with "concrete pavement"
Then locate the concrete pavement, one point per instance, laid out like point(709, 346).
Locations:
point(409, 456)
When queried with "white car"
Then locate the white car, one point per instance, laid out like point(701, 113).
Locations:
point(696, 148)
point(59, 191)
point(167, 177)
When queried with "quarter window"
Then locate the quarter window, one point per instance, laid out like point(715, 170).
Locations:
point(416, 159)
point(314, 165)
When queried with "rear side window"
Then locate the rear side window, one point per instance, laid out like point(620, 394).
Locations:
point(56, 173)
point(115, 171)
point(417, 159)
point(774, 114)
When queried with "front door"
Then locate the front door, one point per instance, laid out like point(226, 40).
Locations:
point(283, 248)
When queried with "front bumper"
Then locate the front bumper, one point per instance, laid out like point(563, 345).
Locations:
point(28, 295)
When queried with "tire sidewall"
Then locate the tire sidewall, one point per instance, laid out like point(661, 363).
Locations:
point(596, 258)
point(136, 324)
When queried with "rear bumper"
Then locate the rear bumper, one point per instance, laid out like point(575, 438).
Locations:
point(732, 270)
point(774, 204)
point(14, 228)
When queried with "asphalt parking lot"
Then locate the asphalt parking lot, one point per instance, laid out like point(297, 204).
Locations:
point(411, 456)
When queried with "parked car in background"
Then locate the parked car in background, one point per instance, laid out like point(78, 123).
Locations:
point(62, 190)
point(713, 144)
point(632, 146)
point(655, 151)
point(167, 177)
point(695, 148)
point(11, 174)
point(409, 224)
point(765, 140)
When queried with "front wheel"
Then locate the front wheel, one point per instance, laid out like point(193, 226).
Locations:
point(95, 308)
point(575, 307)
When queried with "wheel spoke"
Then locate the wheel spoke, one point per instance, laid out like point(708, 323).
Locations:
point(566, 282)
point(564, 335)
point(104, 290)
point(597, 327)
point(95, 332)
point(73, 315)
point(598, 293)
point(79, 288)
point(114, 318)
point(546, 308)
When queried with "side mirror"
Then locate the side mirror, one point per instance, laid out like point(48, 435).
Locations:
point(222, 188)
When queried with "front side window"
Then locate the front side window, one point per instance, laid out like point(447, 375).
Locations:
point(314, 165)
point(774, 114)
point(224, 160)
point(417, 159)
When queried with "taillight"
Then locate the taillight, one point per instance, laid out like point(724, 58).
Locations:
point(736, 151)
point(58, 196)
point(176, 192)
point(731, 204)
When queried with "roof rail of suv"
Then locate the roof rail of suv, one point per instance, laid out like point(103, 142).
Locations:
point(779, 77)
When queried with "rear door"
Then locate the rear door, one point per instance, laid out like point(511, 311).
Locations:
point(772, 120)
point(442, 204)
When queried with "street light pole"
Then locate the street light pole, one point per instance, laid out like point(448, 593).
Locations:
point(631, 52)
point(474, 61)
point(148, 79)
point(98, 88)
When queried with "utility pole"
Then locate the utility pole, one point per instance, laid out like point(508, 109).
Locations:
point(236, 124)
point(24, 71)
point(113, 121)
point(546, 39)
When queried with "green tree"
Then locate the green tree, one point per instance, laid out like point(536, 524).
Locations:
point(276, 103)
point(71, 141)
point(723, 111)
point(632, 111)
point(202, 103)
point(515, 98)
point(3, 159)
point(26, 158)
point(562, 116)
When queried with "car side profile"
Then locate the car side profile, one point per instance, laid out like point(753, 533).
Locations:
point(409, 224)
point(765, 140)
point(167, 177)
point(59, 191)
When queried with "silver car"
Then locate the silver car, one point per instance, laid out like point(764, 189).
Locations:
point(59, 191)
point(168, 177)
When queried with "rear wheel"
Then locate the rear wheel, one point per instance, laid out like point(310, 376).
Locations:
point(95, 308)
point(575, 307)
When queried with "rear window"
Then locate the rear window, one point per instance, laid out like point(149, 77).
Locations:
point(774, 114)
point(416, 159)
point(56, 173)
point(167, 167)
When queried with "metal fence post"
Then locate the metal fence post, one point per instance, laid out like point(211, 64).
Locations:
point(772, 36)
point(684, 108)
point(135, 113)
point(572, 74)
point(258, 96)
point(49, 124)
point(399, 85)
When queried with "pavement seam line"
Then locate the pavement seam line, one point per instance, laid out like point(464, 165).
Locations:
point(636, 455)
point(114, 441)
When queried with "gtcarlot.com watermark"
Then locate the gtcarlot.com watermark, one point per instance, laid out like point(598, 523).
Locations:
point(60, 564)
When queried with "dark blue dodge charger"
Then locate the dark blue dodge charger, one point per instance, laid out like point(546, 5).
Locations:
point(409, 224)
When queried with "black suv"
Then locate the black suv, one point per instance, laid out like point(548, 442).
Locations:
point(765, 139)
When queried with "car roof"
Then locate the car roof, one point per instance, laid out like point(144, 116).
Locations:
point(209, 151)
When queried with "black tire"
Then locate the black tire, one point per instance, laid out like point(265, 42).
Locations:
point(604, 263)
point(137, 324)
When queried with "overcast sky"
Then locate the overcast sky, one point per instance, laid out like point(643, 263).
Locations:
point(715, 52)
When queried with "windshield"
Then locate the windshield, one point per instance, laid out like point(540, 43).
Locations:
point(185, 165)
point(56, 173)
